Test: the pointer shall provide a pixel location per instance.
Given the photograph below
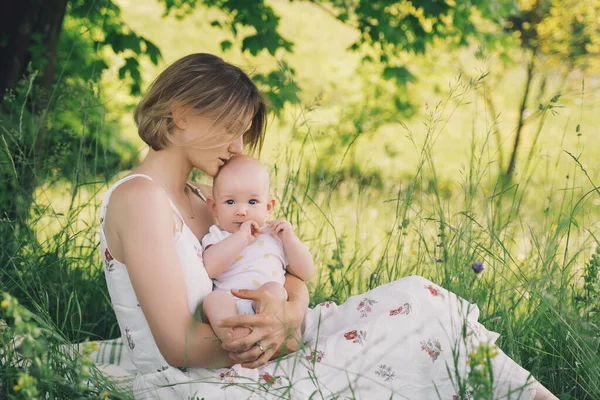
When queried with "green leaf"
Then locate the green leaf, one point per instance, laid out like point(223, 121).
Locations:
point(400, 74)
point(253, 44)
point(153, 52)
point(226, 45)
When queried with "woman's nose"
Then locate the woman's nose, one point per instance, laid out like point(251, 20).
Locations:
point(237, 146)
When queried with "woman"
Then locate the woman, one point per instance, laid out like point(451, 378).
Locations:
point(407, 339)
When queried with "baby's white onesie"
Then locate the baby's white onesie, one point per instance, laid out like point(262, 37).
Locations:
point(261, 262)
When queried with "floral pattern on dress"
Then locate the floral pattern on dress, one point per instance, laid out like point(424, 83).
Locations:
point(270, 379)
point(467, 396)
point(130, 341)
point(403, 309)
point(108, 258)
point(326, 304)
point(356, 336)
point(474, 328)
point(434, 291)
point(230, 376)
point(364, 307)
point(385, 372)
point(432, 347)
point(198, 251)
point(316, 356)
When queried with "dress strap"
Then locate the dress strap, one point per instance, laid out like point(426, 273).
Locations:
point(196, 191)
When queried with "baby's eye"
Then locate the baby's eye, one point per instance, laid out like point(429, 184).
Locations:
point(230, 202)
point(253, 201)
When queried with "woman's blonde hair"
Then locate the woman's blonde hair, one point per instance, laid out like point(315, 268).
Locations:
point(203, 84)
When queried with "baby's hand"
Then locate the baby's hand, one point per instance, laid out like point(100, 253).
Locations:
point(251, 230)
point(281, 227)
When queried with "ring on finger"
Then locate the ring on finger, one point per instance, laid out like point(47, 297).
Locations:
point(260, 346)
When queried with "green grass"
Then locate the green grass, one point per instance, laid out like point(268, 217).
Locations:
point(417, 195)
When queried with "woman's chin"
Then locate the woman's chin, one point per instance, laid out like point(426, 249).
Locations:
point(212, 171)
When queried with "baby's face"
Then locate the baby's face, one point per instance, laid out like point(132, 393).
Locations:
point(241, 194)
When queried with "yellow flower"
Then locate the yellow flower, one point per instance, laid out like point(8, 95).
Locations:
point(4, 304)
point(104, 395)
point(16, 388)
point(95, 346)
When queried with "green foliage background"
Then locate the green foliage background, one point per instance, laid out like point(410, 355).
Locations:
point(388, 153)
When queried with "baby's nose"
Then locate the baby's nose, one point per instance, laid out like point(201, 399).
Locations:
point(241, 210)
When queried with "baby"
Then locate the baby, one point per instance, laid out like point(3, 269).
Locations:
point(244, 251)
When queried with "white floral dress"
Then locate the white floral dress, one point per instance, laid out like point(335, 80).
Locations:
point(409, 339)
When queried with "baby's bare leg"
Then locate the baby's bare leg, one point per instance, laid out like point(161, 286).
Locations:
point(219, 305)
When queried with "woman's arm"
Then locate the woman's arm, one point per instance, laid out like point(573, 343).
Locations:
point(279, 322)
point(144, 222)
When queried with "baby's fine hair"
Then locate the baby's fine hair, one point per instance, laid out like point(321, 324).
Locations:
point(235, 160)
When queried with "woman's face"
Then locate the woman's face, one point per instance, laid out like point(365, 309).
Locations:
point(210, 144)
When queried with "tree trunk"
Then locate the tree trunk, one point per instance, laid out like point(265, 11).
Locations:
point(27, 25)
point(29, 33)
point(521, 121)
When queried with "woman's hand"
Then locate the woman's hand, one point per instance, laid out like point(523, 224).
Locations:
point(278, 322)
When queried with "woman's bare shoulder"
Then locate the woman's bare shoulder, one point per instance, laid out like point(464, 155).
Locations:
point(137, 197)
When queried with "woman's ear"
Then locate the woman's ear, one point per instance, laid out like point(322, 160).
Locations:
point(178, 117)
point(270, 205)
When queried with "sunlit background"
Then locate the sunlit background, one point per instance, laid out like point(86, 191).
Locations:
point(404, 138)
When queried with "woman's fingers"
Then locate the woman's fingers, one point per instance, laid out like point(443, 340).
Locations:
point(244, 320)
point(240, 345)
point(261, 360)
point(249, 356)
